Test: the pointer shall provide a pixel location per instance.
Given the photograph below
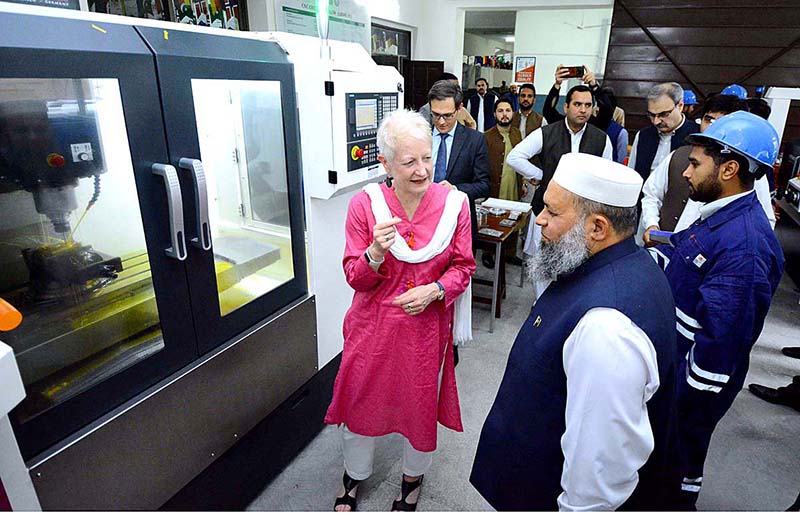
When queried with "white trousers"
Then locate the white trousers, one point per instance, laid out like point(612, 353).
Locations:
point(359, 453)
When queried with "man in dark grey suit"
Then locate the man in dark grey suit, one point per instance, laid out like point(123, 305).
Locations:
point(460, 157)
point(459, 153)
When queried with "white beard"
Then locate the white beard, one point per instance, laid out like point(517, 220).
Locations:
point(561, 256)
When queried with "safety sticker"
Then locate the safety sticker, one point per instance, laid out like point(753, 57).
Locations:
point(81, 152)
point(699, 260)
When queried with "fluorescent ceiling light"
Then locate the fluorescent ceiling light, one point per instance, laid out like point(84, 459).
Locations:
point(509, 39)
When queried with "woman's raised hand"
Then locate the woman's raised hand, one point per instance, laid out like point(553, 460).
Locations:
point(383, 235)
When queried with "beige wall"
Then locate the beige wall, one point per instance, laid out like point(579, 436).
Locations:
point(553, 36)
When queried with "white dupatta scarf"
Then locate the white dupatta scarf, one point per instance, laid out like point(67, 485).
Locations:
point(442, 236)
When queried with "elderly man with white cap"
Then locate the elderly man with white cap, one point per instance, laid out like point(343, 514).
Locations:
point(584, 417)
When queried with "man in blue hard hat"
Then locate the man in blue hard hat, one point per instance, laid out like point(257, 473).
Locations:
point(689, 102)
point(735, 90)
point(723, 271)
point(666, 205)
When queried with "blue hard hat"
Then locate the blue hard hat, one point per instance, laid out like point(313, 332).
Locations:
point(689, 98)
point(746, 134)
point(735, 90)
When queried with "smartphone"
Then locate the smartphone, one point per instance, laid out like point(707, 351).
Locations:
point(576, 71)
point(661, 237)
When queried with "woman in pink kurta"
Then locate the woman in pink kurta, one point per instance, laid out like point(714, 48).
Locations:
point(397, 373)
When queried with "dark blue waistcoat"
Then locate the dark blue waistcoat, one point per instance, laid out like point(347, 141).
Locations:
point(647, 146)
point(488, 109)
point(613, 131)
point(519, 461)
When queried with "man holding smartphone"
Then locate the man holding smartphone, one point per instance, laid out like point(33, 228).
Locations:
point(550, 142)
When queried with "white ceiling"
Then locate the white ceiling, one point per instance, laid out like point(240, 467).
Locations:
point(490, 24)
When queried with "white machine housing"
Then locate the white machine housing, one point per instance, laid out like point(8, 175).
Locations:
point(332, 172)
point(780, 99)
point(13, 472)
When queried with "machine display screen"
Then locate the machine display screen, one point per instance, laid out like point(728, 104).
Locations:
point(366, 114)
point(365, 111)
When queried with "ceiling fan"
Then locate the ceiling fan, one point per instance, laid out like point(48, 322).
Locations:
point(583, 27)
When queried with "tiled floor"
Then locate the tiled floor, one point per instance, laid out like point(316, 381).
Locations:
point(753, 464)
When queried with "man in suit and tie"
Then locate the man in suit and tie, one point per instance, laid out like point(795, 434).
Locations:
point(459, 153)
point(460, 156)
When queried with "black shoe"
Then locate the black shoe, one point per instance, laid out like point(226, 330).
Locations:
point(349, 485)
point(786, 395)
point(455, 356)
point(487, 260)
point(795, 506)
point(406, 489)
point(792, 352)
point(514, 260)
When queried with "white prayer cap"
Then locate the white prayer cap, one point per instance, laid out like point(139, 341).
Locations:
point(598, 179)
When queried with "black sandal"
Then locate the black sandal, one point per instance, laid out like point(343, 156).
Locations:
point(406, 489)
point(349, 485)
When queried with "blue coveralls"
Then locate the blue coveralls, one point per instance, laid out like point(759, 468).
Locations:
point(723, 272)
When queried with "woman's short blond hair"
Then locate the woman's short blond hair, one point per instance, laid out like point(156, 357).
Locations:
point(399, 126)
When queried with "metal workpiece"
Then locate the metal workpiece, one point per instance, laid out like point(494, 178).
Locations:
point(138, 456)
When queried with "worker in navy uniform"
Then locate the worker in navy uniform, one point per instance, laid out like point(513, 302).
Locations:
point(723, 270)
point(584, 417)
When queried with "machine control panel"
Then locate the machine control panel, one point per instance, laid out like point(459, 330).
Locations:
point(365, 111)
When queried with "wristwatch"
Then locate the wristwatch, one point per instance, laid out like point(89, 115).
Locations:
point(372, 261)
point(441, 291)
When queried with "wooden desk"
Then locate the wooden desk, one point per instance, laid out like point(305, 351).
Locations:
point(499, 282)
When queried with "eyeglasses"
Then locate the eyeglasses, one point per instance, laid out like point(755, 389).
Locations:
point(662, 114)
point(446, 117)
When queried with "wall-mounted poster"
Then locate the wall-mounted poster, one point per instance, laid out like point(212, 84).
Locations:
point(222, 14)
point(348, 20)
point(524, 68)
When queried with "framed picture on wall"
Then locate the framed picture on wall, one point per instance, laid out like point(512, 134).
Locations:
point(524, 68)
point(390, 41)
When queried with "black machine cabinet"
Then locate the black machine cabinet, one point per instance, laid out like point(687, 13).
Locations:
point(229, 102)
point(154, 213)
point(34, 54)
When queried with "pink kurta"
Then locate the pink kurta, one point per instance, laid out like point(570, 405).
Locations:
point(388, 381)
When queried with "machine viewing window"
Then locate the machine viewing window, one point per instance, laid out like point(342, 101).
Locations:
point(240, 129)
point(73, 258)
point(366, 114)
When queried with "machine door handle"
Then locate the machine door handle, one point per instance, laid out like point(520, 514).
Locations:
point(195, 166)
point(175, 204)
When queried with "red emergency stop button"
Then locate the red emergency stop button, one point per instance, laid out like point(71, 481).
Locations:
point(55, 160)
point(360, 153)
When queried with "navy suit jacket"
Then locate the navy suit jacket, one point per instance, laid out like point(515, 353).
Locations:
point(468, 166)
